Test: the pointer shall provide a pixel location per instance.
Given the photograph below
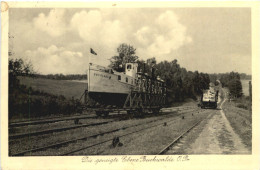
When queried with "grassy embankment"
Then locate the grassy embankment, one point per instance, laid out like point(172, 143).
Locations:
point(239, 114)
point(37, 97)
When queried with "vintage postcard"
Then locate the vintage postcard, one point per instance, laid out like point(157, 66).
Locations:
point(127, 85)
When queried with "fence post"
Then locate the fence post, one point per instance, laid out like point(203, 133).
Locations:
point(250, 90)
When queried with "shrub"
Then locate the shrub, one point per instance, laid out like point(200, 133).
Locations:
point(243, 106)
point(25, 103)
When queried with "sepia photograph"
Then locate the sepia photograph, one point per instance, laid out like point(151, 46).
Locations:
point(119, 81)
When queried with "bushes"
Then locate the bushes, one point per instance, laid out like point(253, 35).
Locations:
point(25, 103)
point(243, 106)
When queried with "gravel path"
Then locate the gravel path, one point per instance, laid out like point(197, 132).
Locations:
point(218, 137)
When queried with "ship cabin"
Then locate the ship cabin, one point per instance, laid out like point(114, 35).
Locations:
point(129, 76)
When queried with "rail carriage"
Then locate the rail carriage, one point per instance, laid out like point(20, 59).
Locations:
point(209, 98)
point(133, 91)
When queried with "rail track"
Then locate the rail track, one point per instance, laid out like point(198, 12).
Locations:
point(56, 145)
point(126, 134)
point(49, 120)
point(61, 118)
point(15, 136)
point(177, 139)
point(30, 134)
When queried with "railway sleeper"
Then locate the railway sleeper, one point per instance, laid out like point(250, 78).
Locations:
point(138, 110)
point(142, 111)
point(100, 113)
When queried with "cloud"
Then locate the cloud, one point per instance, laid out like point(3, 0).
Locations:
point(56, 60)
point(106, 32)
point(143, 36)
point(100, 32)
point(57, 35)
point(162, 37)
point(164, 33)
point(53, 23)
point(97, 30)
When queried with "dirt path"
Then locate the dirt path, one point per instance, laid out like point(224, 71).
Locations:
point(218, 137)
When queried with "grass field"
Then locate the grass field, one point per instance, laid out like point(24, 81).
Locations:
point(67, 88)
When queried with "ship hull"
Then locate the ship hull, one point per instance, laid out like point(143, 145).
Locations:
point(106, 88)
point(112, 99)
point(100, 81)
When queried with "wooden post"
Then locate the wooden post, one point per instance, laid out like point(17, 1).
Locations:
point(250, 90)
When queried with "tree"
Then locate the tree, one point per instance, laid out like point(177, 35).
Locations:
point(16, 91)
point(226, 77)
point(234, 75)
point(235, 88)
point(126, 54)
point(16, 68)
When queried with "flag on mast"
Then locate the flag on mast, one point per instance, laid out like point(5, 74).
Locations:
point(92, 51)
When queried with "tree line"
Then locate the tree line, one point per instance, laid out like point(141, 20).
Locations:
point(180, 83)
point(217, 76)
point(62, 76)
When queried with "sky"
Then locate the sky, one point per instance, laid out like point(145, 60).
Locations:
point(209, 40)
